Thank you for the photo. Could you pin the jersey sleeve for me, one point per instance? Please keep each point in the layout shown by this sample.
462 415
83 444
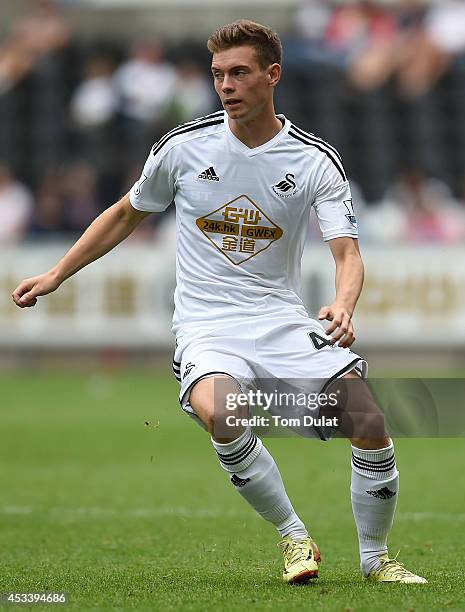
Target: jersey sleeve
333 204
155 190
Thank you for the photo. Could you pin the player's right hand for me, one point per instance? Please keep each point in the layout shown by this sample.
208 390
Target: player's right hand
26 293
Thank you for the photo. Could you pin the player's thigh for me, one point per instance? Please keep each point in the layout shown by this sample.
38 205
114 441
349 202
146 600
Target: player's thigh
214 400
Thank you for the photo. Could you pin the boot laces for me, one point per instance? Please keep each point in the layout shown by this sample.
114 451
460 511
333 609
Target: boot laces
295 550
395 567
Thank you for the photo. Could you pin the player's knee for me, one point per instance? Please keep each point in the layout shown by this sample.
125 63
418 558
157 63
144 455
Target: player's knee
371 443
202 402
208 398
361 419
365 426
210 424
207 414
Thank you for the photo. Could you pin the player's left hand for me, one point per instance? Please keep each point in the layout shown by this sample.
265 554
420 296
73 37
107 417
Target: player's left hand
341 328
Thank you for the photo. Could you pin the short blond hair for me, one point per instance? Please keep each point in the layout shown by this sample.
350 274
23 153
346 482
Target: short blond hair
265 41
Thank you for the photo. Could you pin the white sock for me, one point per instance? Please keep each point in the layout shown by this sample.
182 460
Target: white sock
256 476
374 491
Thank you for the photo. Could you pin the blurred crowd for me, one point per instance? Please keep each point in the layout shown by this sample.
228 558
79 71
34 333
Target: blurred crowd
411 41
123 101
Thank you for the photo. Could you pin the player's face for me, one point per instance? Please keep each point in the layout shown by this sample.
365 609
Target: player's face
244 88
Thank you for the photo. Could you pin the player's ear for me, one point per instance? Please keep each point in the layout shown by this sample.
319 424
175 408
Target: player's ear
274 74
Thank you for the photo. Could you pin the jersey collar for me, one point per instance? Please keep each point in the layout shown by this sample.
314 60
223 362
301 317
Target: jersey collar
243 148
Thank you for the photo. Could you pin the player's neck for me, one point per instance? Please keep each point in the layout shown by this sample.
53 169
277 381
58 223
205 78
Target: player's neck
258 130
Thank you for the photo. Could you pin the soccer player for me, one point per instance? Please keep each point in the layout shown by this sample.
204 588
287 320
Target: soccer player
244 181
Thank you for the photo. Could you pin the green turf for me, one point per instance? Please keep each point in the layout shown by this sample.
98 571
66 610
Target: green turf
124 516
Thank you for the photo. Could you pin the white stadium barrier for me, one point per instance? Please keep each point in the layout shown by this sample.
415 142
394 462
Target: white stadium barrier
412 298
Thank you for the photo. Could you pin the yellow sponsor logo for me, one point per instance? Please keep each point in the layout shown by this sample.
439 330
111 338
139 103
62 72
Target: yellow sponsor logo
218 227
261 233
239 229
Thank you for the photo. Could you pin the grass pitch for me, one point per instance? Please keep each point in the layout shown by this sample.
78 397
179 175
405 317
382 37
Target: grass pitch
124 516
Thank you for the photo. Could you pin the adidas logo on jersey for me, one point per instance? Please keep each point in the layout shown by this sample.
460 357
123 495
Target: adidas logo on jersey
209 175
287 187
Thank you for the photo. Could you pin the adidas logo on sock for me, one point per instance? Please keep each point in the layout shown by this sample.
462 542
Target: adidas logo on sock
383 493
239 482
209 175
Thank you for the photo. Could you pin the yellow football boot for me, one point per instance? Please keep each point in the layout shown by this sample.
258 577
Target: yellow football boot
392 570
301 560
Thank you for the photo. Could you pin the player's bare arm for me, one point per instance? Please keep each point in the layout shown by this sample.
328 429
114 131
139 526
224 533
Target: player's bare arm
103 234
349 282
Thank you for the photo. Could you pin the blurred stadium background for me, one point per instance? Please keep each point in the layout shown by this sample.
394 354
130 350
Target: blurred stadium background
86 87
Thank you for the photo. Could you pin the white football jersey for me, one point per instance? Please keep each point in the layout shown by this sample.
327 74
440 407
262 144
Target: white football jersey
242 216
